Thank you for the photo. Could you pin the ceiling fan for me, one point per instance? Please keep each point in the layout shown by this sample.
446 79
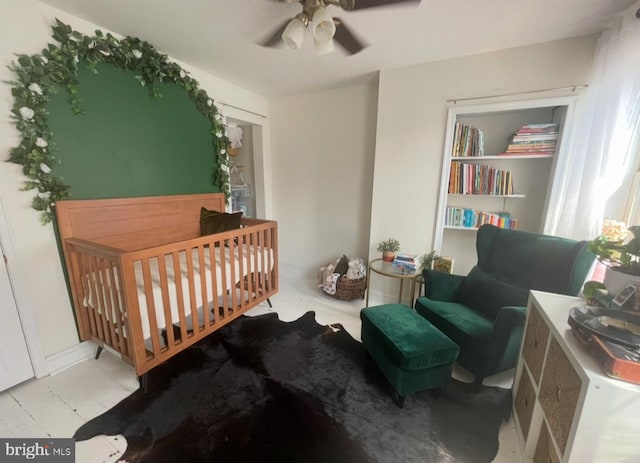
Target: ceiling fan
323 27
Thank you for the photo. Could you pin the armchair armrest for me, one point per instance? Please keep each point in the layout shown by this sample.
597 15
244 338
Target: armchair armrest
440 286
508 329
508 317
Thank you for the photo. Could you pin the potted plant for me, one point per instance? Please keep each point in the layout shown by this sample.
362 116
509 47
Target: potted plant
426 260
388 248
619 250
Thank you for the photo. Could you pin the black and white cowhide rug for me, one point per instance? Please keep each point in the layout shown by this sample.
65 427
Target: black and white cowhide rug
263 390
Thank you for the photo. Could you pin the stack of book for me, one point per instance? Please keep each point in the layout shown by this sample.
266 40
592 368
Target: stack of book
469 218
479 179
533 139
405 263
467 141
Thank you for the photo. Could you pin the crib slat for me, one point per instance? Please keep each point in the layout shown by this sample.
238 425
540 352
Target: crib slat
225 288
80 292
192 291
104 312
95 299
232 258
252 271
203 286
124 346
107 295
241 272
150 306
274 246
86 283
266 235
166 302
177 276
214 285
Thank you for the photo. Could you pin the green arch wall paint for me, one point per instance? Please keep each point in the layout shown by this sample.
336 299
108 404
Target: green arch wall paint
128 143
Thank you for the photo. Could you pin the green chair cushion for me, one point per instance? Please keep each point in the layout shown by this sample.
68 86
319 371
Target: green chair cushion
465 326
408 339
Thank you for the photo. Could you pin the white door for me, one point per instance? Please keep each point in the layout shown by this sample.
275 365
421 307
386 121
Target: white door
15 364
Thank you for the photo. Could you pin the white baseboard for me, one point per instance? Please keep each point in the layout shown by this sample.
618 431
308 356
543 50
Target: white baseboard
71 356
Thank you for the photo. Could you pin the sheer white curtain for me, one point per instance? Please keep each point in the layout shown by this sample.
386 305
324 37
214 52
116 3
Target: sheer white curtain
606 125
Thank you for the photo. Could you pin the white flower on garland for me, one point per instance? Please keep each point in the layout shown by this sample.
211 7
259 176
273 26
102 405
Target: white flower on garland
45 168
182 74
137 53
35 88
218 117
209 102
41 142
218 134
26 113
44 59
44 194
76 60
223 151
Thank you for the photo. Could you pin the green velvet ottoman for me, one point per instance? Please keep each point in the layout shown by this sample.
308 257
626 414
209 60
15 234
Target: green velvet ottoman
412 353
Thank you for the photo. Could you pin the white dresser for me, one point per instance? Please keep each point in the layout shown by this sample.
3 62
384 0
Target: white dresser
566 408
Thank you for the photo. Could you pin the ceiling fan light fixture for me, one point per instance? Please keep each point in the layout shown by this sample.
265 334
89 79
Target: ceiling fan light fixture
293 34
323 47
322 25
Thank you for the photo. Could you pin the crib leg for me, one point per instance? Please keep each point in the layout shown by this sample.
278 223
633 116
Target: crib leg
98 352
144 381
269 302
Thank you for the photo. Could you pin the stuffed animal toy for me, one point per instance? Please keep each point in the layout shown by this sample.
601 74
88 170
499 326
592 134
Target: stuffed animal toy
353 270
356 269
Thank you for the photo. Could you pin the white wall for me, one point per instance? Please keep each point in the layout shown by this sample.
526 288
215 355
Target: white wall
25 27
323 146
412 111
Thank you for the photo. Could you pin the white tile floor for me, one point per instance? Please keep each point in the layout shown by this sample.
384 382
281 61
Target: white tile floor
57 405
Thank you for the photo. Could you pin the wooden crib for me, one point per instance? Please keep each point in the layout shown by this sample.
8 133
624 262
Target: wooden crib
146 284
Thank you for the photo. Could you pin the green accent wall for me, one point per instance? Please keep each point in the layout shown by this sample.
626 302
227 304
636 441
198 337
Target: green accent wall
128 143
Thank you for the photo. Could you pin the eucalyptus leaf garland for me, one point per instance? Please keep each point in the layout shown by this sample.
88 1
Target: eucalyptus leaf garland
39 76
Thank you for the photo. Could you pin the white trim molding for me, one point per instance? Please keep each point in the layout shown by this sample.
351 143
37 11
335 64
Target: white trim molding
70 356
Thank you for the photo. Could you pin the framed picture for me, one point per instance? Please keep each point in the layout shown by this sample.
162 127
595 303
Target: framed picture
624 295
443 264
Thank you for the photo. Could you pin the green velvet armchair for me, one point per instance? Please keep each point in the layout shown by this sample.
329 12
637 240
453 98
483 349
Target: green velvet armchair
484 312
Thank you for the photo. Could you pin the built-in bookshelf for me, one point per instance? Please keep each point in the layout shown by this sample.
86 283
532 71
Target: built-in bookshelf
500 167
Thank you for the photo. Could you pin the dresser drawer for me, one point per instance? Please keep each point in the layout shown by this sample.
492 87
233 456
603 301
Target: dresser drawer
559 393
535 343
545 452
524 402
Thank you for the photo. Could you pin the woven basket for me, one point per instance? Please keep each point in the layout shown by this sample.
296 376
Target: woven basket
348 290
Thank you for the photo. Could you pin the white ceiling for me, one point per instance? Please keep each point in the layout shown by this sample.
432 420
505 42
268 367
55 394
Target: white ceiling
219 36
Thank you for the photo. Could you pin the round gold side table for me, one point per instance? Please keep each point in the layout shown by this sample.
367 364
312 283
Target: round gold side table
386 269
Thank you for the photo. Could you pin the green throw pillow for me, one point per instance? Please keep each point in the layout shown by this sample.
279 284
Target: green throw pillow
482 292
212 222
342 266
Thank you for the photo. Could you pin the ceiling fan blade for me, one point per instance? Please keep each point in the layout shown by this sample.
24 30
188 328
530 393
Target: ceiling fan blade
275 38
347 39
362 4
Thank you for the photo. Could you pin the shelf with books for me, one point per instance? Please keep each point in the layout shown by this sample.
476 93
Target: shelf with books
501 156
473 218
471 195
508 150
